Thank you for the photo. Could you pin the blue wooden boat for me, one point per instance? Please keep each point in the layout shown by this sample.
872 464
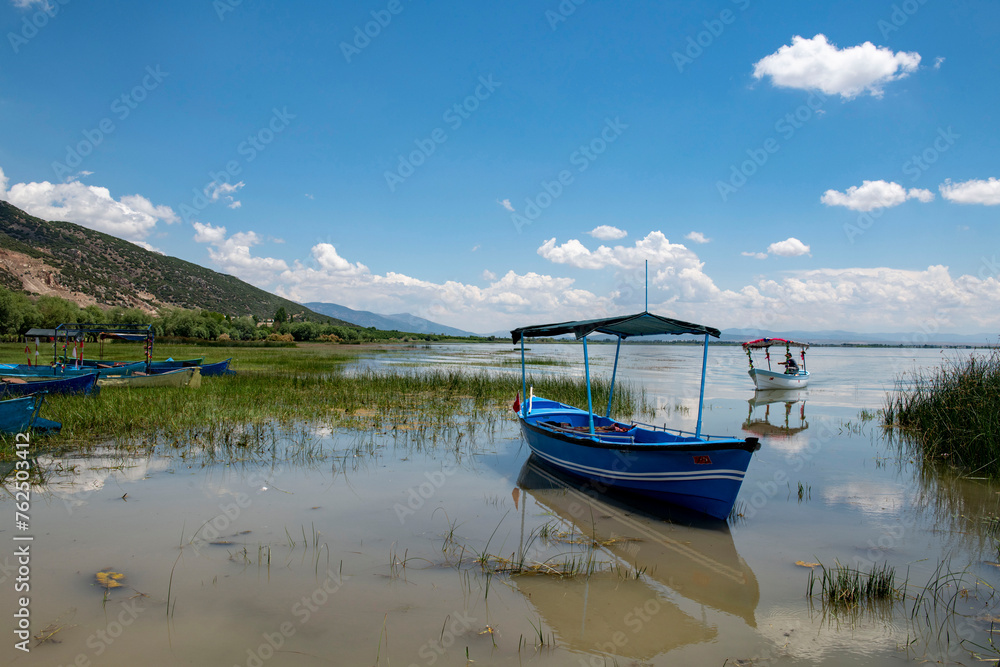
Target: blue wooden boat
67 370
23 386
163 366
700 472
113 363
217 368
18 415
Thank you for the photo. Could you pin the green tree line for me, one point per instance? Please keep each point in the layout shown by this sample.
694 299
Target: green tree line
19 313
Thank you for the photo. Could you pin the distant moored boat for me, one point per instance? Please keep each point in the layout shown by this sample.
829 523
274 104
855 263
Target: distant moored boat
790 377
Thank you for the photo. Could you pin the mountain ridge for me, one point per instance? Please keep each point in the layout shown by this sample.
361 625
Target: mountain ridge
395 322
85 266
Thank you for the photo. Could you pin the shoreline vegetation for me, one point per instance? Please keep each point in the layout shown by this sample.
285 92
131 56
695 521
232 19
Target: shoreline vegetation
310 383
952 413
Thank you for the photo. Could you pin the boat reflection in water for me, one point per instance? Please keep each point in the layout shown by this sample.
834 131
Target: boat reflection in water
665 571
759 417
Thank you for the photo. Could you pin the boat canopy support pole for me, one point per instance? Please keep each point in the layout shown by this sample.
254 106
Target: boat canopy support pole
701 395
590 403
524 383
611 391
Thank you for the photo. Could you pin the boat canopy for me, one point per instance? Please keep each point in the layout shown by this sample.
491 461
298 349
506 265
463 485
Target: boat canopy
130 337
642 324
763 343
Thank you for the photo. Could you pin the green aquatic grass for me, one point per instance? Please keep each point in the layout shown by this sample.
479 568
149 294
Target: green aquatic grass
842 586
306 384
952 412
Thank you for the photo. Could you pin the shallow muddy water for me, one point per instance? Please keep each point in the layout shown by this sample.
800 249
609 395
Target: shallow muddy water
349 548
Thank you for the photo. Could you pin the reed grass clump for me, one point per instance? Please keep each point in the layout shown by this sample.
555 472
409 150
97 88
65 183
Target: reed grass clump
844 587
952 412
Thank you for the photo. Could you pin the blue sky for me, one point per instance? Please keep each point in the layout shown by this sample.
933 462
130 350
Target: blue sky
784 165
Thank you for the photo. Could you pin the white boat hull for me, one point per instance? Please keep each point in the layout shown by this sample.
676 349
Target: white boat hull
189 377
765 379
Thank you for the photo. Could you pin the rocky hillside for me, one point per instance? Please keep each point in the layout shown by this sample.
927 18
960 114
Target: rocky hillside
85 266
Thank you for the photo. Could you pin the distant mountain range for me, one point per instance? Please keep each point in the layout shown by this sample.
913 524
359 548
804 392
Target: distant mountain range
397 322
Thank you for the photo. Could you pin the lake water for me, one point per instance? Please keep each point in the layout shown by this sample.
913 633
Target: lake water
346 548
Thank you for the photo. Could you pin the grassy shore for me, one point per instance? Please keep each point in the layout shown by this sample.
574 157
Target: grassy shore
310 383
952 412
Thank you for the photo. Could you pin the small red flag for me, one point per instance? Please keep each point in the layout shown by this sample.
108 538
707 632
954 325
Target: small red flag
517 402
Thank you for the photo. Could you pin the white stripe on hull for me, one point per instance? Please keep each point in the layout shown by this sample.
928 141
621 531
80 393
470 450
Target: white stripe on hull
689 476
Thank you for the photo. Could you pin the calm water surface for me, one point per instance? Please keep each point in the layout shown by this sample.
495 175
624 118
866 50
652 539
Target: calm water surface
347 548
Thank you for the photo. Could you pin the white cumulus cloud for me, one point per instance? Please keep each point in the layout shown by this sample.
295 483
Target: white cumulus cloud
329 260
206 233
790 247
233 255
697 237
607 233
816 64
132 217
972 192
672 267
874 194
655 248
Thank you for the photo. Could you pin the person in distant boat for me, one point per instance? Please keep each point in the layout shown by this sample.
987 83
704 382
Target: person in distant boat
791 368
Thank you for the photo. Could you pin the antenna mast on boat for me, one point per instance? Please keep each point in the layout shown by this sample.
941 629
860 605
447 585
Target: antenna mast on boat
646 309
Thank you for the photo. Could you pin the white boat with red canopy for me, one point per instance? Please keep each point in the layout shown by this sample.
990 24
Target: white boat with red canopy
792 376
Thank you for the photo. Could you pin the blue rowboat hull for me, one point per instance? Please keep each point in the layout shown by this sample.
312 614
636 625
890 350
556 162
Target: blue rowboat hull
700 473
164 364
17 415
75 384
218 368
59 370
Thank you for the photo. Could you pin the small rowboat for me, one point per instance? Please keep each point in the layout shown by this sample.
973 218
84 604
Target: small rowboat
699 472
790 377
217 368
22 386
66 370
164 364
